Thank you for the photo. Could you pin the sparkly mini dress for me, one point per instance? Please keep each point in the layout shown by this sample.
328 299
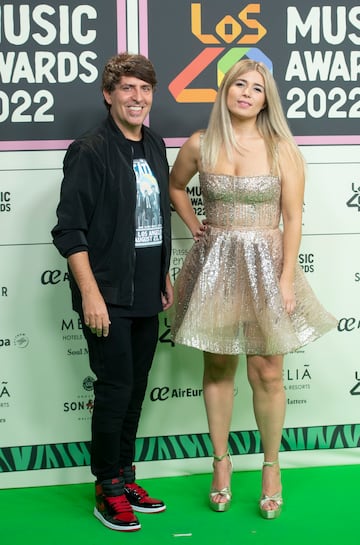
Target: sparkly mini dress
227 295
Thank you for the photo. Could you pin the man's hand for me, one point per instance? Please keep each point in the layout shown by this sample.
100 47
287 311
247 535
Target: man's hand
96 315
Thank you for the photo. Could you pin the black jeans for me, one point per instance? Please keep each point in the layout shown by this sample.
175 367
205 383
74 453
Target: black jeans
121 363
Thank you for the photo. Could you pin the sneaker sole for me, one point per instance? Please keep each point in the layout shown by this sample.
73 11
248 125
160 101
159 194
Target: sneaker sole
112 526
150 510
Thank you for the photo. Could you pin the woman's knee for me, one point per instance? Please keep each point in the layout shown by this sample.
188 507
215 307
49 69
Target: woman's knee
265 372
219 366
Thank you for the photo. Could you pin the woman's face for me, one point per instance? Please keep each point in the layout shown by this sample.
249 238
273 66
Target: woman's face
246 96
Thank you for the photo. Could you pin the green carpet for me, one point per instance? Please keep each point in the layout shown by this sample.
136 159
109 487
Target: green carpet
321 507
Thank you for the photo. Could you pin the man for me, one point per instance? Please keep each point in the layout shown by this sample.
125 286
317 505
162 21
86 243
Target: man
118 276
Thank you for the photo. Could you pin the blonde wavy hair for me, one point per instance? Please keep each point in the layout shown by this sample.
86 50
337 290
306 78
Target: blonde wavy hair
271 121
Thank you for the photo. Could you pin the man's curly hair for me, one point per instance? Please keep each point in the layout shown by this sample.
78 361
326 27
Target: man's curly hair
127 64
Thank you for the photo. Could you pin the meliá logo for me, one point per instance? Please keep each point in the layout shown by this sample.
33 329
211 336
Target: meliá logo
72 329
297 378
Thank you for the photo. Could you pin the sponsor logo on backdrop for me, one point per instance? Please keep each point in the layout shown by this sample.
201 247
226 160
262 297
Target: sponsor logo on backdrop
71 329
297 380
88 384
229 29
355 390
4 390
21 340
354 200
307 262
165 335
220 36
4 398
54 277
163 393
5 201
348 324
82 407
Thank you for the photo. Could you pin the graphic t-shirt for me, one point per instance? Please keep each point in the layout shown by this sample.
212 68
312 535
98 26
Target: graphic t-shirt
148 241
148 217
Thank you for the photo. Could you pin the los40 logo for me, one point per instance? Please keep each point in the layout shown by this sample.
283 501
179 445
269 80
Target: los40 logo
230 31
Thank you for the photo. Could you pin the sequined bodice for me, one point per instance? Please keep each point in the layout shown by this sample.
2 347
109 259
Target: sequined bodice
241 201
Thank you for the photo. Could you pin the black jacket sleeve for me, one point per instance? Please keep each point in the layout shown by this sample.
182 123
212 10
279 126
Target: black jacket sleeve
78 197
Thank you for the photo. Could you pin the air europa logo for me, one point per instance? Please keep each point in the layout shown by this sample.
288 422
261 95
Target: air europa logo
244 31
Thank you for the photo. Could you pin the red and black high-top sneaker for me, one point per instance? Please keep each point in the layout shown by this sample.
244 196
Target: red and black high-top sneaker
113 508
138 498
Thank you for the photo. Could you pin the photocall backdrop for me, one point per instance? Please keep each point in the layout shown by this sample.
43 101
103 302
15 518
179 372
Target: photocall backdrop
51 60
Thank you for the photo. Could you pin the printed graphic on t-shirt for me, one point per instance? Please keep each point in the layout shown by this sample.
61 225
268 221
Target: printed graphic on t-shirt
148 216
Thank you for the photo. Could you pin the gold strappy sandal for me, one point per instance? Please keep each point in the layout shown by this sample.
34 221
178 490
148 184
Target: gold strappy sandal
224 492
276 498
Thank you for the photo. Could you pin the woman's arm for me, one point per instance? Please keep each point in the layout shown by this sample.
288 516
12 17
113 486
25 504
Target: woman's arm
185 167
292 200
167 297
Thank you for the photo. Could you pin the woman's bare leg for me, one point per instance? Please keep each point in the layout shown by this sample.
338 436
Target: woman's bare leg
265 375
218 386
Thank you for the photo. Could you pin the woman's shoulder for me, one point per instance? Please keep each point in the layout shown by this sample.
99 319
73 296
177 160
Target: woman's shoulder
289 156
196 137
286 146
193 143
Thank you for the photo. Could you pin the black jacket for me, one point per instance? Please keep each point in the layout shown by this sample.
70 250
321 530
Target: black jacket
96 212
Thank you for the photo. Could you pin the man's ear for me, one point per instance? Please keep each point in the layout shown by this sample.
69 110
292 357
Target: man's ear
107 97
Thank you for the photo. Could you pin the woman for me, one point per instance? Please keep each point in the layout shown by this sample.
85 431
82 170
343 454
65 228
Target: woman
241 289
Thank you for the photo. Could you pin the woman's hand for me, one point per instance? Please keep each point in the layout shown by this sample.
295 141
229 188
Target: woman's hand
288 295
167 298
200 231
